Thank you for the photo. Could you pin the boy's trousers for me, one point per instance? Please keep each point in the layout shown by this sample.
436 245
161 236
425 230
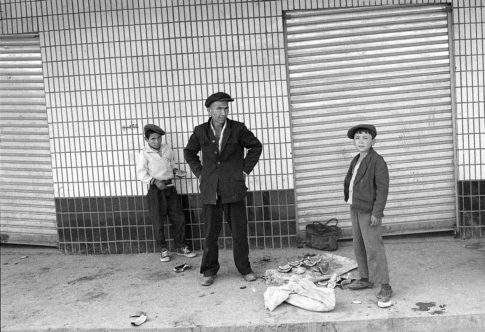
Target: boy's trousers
235 214
163 203
369 248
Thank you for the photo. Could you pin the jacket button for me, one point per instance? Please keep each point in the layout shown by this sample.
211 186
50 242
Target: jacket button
213 141
215 152
218 163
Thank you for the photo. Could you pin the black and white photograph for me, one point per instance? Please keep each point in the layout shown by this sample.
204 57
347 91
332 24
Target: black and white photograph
242 165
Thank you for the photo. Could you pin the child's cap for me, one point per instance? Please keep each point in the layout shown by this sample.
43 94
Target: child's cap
153 128
368 127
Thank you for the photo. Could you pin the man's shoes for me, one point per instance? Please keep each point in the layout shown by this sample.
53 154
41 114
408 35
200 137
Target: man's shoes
250 276
185 251
360 284
164 256
207 281
385 294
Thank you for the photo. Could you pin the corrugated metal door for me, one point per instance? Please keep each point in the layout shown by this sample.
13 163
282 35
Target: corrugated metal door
27 205
389 66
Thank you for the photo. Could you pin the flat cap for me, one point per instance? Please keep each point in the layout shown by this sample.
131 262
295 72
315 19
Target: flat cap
218 96
153 128
369 127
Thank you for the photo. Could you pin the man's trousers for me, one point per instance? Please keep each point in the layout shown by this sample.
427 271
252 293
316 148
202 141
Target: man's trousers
235 214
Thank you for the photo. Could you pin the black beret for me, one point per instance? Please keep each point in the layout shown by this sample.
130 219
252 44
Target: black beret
218 96
153 128
368 127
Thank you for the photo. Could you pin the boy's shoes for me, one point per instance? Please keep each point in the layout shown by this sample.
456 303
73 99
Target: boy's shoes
360 284
250 276
207 281
384 294
164 257
185 251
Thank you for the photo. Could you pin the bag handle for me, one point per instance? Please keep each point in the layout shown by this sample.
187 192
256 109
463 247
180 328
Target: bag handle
326 222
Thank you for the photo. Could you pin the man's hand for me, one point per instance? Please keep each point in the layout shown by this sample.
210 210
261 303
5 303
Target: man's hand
375 221
160 184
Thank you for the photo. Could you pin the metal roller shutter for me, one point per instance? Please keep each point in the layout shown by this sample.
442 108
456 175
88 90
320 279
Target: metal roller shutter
389 66
28 214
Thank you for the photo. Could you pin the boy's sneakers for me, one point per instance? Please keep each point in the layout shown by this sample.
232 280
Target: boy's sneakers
385 294
360 284
384 297
185 251
164 256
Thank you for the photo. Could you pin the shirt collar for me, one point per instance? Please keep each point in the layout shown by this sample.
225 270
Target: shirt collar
214 130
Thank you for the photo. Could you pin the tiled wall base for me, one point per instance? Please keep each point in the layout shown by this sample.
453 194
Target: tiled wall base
109 225
471 208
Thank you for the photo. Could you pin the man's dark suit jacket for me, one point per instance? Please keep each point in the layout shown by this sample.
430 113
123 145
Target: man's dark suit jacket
222 169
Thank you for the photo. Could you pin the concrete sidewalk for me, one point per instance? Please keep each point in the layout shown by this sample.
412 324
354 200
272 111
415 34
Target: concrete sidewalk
439 285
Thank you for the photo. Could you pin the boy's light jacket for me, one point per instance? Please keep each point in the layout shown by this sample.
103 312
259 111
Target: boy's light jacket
371 184
153 164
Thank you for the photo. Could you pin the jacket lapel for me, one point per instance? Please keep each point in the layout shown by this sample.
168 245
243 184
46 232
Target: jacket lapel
226 135
208 131
363 166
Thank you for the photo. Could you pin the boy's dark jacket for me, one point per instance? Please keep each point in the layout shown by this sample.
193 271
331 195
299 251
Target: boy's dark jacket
225 168
371 184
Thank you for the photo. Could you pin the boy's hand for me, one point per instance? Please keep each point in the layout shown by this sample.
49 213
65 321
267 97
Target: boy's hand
180 174
374 221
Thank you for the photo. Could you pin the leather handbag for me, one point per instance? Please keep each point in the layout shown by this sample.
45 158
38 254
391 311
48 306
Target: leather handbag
321 235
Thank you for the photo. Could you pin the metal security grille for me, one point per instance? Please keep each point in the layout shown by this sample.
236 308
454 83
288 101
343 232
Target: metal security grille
28 214
389 66
469 45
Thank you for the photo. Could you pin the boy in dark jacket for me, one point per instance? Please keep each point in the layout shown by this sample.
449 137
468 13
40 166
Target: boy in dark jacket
366 187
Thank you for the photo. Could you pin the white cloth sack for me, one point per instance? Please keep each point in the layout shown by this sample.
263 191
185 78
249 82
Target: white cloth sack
301 293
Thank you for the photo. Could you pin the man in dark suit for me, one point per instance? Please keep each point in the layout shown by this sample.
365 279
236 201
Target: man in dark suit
222 174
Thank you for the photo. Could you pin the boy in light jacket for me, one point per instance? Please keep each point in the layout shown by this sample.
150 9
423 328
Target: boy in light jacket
155 167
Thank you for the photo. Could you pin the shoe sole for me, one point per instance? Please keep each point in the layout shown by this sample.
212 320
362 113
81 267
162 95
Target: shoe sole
384 304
